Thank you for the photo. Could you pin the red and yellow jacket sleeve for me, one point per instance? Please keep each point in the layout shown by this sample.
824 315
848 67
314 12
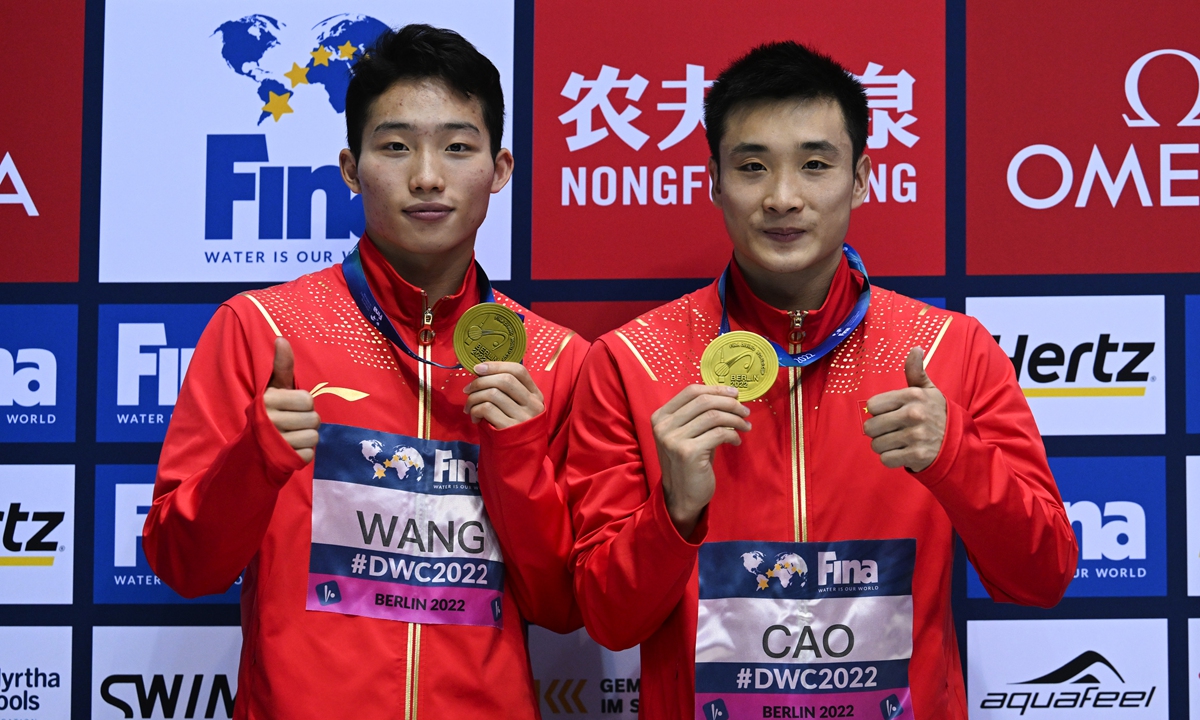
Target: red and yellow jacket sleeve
631 565
992 479
520 471
221 468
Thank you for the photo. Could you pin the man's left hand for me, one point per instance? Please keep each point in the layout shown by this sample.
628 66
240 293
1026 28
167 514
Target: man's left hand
907 426
504 394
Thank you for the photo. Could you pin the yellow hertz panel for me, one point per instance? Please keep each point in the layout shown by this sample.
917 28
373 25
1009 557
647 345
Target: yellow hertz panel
1086 392
25 561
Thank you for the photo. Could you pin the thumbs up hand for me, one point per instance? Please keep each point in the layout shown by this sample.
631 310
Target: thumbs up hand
291 410
907 426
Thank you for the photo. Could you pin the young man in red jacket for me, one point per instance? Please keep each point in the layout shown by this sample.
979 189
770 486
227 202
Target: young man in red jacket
389 567
790 556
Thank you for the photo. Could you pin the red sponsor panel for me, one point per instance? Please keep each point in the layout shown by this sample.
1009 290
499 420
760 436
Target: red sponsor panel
41 108
620 188
1083 138
592 319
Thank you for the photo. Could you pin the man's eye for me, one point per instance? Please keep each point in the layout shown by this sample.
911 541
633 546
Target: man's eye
396 147
815 165
457 147
753 167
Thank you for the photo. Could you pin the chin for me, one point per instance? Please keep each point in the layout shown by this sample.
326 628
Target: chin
787 260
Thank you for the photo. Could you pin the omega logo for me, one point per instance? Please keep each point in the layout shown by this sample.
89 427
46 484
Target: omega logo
1130 172
1134 96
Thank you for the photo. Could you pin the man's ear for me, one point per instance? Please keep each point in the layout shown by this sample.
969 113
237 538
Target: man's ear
714 181
502 171
349 168
862 174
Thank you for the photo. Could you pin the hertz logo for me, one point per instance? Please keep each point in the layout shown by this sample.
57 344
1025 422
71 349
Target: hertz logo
37 543
1050 362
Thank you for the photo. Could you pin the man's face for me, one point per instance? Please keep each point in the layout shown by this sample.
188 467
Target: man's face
426 171
787 183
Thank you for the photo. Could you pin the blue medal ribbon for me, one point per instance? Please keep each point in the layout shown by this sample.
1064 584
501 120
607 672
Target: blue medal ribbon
840 333
356 280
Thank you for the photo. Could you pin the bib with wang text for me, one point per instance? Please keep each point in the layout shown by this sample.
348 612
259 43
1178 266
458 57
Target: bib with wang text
399 531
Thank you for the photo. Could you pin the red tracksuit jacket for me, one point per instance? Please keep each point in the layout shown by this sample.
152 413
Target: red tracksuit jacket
232 495
806 473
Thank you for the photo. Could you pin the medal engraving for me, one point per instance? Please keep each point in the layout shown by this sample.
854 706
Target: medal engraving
741 360
489 332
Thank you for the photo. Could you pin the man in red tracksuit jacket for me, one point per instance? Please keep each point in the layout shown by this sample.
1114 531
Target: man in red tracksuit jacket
791 556
391 566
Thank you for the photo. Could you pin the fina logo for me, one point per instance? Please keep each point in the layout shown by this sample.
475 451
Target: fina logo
326 63
128 520
168 364
35 383
1123 539
1131 166
831 571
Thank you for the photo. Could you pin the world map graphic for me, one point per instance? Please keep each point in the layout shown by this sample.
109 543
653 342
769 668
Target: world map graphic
337 42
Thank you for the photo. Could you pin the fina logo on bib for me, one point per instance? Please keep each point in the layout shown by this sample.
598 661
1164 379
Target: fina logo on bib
789 571
1089 365
250 118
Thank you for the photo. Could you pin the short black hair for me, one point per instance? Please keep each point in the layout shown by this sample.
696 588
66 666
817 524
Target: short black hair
785 71
418 52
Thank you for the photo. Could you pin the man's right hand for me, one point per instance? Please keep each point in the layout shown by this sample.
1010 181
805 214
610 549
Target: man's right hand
687 430
291 410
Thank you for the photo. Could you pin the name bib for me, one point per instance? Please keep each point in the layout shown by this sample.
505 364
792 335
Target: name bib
399 531
804 630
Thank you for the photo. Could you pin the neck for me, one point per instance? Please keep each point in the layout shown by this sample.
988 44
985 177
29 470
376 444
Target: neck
437 274
804 289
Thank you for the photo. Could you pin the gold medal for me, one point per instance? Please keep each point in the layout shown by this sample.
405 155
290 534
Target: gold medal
489 332
742 360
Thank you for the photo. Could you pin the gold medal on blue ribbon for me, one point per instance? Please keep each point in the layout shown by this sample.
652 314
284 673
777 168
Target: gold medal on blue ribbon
742 360
489 332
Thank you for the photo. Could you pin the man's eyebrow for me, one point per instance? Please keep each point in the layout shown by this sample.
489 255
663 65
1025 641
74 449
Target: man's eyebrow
461 125
409 127
823 146
386 126
744 148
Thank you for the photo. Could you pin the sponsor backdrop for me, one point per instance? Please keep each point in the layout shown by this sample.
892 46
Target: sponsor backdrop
166 156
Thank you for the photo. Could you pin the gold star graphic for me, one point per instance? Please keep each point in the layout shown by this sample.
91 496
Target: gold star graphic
771 573
298 75
278 105
387 463
379 472
762 583
321 56
346 51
